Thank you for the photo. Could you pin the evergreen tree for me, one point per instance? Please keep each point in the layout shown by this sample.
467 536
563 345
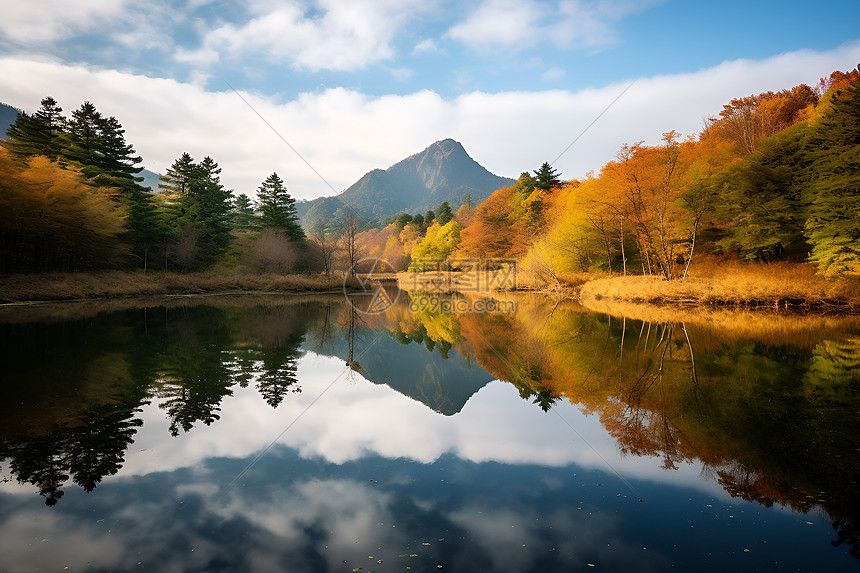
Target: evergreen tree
429 217
148 230
25 136
444 214
547 177
242 212
833 227
40 133
402 219
209 208
278 208
200 216
85 135
115 157
762 198
178 175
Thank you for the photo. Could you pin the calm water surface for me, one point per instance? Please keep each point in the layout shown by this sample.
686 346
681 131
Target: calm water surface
299 434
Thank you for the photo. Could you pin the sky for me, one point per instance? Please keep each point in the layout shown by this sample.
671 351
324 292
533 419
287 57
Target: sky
322 91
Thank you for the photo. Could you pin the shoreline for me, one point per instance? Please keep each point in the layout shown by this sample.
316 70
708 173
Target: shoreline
725 293
790 290
26 289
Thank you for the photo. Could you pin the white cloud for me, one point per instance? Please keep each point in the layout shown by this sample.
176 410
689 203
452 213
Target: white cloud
427 45
345 133
497 23
343 36
34 23
552 74
517 25
334 425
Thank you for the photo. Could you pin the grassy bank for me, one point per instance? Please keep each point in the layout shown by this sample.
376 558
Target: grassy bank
717 283
114 284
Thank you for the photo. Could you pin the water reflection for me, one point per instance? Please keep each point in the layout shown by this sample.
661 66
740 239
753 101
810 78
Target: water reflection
764 408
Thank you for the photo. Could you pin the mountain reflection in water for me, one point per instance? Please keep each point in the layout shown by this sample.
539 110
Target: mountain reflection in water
189 400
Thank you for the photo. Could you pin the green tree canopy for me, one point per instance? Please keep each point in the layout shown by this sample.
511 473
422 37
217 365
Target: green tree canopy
40 133
833 227
547 177
178 175
445 214
278 208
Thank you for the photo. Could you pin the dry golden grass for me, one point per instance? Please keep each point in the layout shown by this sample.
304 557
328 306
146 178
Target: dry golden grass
111 284
720 326
718 282
470 281
44 311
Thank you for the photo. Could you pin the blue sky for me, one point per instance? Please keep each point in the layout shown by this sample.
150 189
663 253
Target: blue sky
355 85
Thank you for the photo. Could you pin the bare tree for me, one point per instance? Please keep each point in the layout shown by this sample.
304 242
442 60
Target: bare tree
351 227
273 252
326 246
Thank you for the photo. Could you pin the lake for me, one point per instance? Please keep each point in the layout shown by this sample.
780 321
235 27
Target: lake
519 433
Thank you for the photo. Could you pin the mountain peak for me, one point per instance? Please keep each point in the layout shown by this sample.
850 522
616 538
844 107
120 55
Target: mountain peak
443 171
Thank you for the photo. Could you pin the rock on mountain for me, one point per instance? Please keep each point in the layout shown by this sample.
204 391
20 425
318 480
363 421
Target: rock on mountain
442 172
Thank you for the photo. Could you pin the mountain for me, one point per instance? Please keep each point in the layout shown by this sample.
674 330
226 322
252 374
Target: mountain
150 179
442 172
7 118
443 383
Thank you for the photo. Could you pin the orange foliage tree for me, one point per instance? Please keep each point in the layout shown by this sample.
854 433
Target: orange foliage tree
54 220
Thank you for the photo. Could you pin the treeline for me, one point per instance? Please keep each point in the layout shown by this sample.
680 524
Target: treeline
72 200
443 239
774 176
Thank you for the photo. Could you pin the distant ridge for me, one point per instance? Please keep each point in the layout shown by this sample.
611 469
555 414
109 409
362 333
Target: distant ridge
7 118
442 172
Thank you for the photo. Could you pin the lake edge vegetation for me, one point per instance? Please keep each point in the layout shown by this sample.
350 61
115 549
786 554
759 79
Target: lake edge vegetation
760 208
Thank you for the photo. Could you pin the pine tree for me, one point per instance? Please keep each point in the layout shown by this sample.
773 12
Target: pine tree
40 133
278 208
178 175
833 227
114 156
84 135
242 212
547 177
209 207
444 214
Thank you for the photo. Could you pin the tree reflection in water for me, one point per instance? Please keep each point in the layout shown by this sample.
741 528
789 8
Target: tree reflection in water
188 360
767 404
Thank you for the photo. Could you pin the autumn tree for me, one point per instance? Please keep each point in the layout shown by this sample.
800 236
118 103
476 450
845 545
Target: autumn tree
437 245
54 220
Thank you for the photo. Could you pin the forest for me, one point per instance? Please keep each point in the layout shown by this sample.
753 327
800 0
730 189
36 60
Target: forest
771 177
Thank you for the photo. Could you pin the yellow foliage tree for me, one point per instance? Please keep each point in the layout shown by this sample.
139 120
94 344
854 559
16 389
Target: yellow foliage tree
54 220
